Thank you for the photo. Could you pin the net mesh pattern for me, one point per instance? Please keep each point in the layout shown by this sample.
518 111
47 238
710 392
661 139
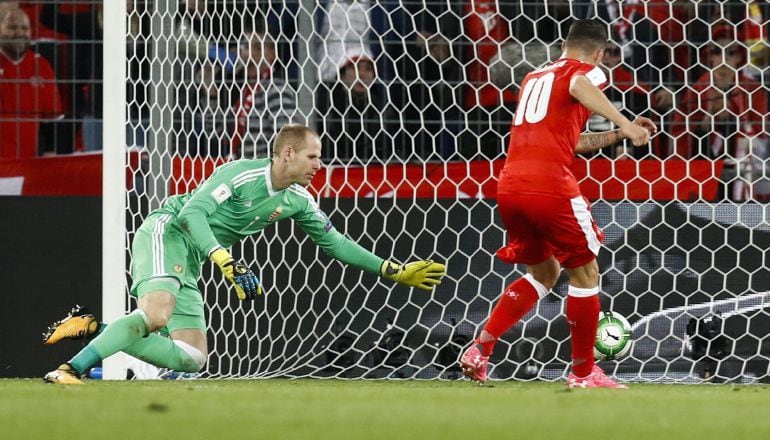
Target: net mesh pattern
413 101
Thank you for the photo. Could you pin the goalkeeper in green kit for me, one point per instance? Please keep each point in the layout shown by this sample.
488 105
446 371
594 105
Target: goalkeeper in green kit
239 199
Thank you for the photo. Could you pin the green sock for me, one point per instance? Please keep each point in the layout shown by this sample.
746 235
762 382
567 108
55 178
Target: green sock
163 352
114 338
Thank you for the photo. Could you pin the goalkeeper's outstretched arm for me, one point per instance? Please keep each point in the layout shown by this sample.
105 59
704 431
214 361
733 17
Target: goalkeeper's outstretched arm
422 274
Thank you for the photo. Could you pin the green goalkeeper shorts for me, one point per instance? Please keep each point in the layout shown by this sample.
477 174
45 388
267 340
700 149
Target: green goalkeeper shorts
162 260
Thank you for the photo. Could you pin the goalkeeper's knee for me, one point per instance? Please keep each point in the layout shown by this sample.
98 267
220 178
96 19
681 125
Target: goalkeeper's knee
191 360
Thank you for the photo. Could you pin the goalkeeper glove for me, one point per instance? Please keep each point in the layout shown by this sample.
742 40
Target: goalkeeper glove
246 284
423 274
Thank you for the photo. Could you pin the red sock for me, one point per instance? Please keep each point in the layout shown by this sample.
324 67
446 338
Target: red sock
516 301
583 317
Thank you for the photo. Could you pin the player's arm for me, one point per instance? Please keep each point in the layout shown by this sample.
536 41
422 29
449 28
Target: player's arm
423 274
193 218
582 89
589 142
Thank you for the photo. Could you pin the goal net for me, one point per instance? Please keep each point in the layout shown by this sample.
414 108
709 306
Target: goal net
413 101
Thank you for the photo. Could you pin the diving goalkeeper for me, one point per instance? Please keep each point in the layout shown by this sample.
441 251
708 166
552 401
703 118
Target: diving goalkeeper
239 199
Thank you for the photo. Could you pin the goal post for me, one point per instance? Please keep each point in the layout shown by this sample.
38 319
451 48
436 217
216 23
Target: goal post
414 102
114 176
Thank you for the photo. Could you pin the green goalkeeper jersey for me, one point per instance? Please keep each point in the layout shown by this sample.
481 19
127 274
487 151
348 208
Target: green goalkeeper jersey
238 200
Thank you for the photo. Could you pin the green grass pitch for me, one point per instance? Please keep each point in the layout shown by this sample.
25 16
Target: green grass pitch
392 410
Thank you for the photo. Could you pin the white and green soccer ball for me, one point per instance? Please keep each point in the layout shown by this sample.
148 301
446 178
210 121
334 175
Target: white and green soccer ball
613 337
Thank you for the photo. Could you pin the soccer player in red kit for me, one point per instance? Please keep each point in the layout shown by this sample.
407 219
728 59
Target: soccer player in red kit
547 220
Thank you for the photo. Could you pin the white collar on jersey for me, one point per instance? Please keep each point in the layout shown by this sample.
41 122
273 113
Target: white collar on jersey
269 180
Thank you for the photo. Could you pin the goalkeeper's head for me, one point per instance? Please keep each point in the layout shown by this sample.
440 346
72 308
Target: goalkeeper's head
296 155
586 41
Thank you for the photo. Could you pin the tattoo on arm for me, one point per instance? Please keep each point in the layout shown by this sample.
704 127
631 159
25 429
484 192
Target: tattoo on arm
593 141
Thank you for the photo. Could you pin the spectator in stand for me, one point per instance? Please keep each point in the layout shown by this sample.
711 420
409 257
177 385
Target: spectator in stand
431 72
722 110
266 100
650 31
28 91
754 35
489 108
708 115
211 119
138 70
351 109
195 27
54 46
207 47
80 22
354 123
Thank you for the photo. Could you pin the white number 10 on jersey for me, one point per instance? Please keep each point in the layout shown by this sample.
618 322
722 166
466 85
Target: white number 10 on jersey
534 100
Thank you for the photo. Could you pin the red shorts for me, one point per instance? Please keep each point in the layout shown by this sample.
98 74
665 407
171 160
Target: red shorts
541 225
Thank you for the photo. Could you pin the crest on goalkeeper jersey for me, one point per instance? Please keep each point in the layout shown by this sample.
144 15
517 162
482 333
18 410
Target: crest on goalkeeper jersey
277 213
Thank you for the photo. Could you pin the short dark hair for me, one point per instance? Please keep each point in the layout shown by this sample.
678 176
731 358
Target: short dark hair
588 35
292 134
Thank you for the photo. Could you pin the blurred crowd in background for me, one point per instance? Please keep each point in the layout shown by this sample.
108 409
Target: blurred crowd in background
387 81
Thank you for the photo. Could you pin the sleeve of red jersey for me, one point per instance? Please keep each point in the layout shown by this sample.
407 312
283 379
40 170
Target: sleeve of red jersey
49 105
594 74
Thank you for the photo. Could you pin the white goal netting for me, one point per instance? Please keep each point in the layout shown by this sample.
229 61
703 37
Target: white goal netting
413 100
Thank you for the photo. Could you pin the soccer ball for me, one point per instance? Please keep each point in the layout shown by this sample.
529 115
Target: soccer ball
613 337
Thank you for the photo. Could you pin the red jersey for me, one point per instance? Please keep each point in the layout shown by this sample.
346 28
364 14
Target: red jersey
546 129
28 93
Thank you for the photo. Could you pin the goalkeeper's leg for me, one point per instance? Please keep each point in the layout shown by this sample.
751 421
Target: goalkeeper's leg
115 337
164 352
155 349
154 311
78 324
185 350
176 354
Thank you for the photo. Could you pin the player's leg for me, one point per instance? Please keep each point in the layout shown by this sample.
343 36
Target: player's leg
583 308
153 313
158 268
178 353
576 241
186 350
78 324
582 313
525 245
154 310
517 299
